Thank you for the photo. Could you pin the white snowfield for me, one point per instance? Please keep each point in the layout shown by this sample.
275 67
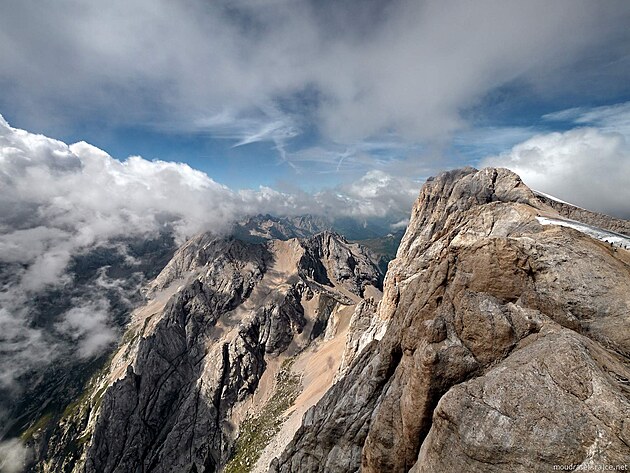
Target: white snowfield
616 239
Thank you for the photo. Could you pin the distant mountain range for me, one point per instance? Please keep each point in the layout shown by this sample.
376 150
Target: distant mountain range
263 227
375 234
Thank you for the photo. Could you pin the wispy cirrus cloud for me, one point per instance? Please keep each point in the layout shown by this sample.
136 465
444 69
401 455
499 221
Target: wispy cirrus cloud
265 124
609 118
483 141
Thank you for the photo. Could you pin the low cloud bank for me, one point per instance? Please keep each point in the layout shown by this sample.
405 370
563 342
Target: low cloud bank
13 456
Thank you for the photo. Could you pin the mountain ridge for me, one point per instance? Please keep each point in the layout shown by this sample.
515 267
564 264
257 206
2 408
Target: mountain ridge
579 214
221 314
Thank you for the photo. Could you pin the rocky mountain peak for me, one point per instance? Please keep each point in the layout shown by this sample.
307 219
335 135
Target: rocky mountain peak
460 189
224 322
347 263
498 332
205 249
453 192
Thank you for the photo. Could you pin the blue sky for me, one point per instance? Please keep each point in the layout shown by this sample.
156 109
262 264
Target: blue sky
307 94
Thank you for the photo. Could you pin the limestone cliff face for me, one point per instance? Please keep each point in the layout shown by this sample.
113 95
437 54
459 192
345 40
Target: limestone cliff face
200 357
505 346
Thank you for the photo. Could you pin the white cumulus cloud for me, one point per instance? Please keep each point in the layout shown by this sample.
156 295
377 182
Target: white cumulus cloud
89 325
585 166
13 456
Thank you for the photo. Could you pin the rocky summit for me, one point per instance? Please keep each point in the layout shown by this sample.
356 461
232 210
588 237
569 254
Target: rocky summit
505 348
500 342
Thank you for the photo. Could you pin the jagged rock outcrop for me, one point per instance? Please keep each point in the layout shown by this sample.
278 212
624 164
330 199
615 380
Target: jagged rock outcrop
506 347
348 263
219 314
365 326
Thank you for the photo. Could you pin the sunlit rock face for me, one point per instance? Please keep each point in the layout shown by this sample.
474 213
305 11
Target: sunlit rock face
506 344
